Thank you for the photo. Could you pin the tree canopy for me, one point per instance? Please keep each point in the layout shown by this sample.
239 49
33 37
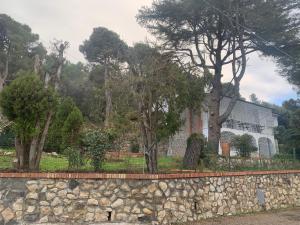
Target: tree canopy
105 47
209 35
290 65
288 131
102 46
18 46
162 91
28 103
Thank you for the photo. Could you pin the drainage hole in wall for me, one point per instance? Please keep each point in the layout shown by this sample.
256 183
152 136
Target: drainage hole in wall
195 205
108 216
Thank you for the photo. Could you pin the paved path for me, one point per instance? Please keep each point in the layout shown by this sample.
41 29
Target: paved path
287 217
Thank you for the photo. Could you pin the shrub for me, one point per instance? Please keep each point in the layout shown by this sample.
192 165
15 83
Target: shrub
7 138
96 143
30 106
64 131
74 158
244 145
71 128
208 158
134 146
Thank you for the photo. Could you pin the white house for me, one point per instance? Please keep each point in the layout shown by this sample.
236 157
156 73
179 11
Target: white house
246 118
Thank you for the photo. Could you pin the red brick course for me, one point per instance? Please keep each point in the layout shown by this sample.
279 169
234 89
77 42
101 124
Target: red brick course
36 175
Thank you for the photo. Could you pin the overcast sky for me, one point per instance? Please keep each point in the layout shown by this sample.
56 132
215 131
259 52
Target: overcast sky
74 20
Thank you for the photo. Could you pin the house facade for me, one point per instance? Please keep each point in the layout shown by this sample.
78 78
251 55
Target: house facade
246 118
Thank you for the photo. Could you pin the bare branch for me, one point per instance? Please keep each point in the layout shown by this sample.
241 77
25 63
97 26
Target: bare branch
237 78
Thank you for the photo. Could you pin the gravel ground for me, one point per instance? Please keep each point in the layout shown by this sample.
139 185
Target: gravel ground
286 217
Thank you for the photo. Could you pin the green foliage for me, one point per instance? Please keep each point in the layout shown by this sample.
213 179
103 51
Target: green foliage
26 101
75 83
96 143
190 91
244 145
71 127
288 130
106 50
178 23
103 45
228 90
207 35
208 158
134 146
75 160
254 99
283 157
163 85
7 138
197 138
17 40
65 129
168 124
290 65
162 90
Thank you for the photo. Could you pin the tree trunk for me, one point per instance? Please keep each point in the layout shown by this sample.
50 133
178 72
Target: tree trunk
2 81
36 67
58 77
149 141
19 153
37 145
22 154
47 80
214 127
108 97
43 139
195 146
29 155
33 153
151 159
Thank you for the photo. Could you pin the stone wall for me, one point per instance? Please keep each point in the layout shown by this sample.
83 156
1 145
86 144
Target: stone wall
140 198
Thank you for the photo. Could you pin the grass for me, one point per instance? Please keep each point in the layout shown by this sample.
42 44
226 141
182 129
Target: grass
60 163
50 163
5 162
54 163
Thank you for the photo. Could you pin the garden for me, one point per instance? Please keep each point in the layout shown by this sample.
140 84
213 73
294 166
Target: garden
59 163
62 116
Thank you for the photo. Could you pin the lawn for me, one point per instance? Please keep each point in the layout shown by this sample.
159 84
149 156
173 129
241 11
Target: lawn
60 163
52 163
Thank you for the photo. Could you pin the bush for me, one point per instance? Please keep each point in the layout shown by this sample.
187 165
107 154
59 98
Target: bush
283 157
64 130
7 138
134 146
26 101
74 158
96 143
244 145
29 105
208 158
71 128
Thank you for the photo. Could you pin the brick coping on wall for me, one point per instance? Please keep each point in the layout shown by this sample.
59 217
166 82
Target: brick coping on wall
35 175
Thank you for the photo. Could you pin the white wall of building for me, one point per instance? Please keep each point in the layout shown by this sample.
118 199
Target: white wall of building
245 118
249 115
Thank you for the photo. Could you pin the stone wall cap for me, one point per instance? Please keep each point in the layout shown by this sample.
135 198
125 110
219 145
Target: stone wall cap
57 175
